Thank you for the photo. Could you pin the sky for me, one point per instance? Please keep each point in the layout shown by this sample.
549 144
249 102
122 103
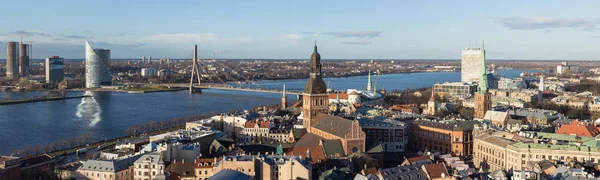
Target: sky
348 29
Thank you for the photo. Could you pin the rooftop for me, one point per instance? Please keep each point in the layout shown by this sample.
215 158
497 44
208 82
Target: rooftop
332 124
452 125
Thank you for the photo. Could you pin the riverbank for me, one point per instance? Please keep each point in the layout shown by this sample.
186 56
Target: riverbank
21 101
131 91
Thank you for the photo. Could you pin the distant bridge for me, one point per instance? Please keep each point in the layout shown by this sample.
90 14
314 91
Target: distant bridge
232 88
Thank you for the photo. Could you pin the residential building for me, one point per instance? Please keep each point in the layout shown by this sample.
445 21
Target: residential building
454 90
266 166
445 136
256 131
35 167
24 60
277 135
12 61
107 169
354 98
419 160
538 117
150 166
182 170
55 69
180 152
527 95
149 72
392 134
338 98
403 172
579 128
566 69
230 174
10 168
500 151
164 72
407 108
497 118
97 66
204 167
436 171
511 84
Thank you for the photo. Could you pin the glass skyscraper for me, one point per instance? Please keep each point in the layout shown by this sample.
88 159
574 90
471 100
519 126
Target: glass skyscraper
97 66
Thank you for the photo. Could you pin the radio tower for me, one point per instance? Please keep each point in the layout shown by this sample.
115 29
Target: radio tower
194 70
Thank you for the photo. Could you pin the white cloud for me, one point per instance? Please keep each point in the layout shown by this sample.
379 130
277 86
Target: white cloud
534 23
290 37
194 38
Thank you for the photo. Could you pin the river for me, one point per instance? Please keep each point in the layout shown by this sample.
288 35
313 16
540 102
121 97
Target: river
108 114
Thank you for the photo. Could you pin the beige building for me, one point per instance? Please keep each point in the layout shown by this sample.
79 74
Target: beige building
204 167
497 118
266 166
501 151
149 166
104 170
529 96
255 132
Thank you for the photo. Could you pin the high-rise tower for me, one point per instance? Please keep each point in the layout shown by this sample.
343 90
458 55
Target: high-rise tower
283 98
12 63
314 99
369 82
470 63
483 98
23 60
97 66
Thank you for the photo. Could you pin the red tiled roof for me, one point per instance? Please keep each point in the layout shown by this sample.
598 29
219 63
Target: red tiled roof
435 170
206 162
261 124
316 153
579 129
335 95
418 158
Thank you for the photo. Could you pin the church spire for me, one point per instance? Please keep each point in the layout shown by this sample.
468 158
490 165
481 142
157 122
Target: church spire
483 81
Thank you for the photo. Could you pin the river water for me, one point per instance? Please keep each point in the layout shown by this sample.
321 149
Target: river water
108 114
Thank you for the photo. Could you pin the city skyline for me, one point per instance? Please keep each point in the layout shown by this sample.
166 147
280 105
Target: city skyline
536 30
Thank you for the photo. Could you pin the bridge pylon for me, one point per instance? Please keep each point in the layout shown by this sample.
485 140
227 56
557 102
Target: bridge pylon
194 71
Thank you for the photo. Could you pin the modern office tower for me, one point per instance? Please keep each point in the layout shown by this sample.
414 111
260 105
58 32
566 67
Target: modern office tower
12 64
97 66
55 69
471 59
24 60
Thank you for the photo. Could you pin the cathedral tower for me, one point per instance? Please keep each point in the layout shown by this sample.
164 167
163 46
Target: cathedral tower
314 99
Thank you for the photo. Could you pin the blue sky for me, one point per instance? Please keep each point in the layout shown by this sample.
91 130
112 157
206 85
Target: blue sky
428 29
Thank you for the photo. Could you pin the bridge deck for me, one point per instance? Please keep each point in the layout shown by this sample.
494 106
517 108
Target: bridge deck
230 88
